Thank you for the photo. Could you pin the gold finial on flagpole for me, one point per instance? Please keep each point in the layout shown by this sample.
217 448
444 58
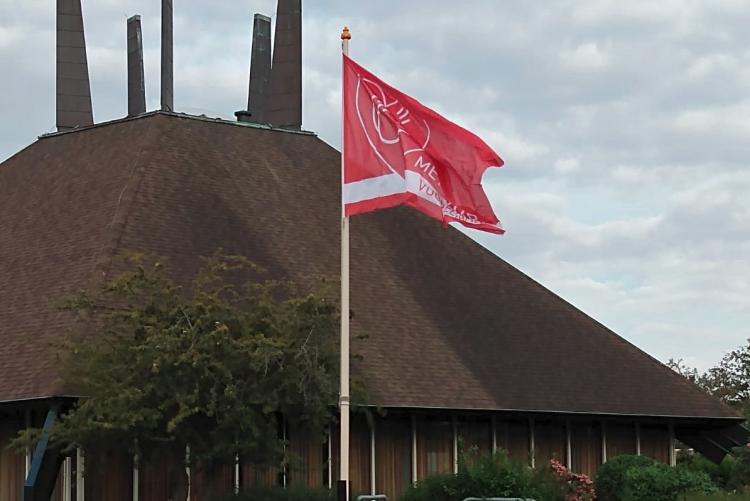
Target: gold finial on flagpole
345 34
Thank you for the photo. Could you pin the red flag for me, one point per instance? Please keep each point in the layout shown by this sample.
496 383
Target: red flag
397 151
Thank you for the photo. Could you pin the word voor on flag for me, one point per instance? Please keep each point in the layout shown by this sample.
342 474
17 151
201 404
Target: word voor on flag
397 151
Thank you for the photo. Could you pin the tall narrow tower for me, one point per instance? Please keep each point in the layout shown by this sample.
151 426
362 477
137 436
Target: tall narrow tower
73 90
167 62
260 68
136 79
285 99
260 73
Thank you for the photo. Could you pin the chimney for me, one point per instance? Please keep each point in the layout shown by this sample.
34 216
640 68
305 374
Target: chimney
167 65
73 92
260 72
285 99
136 82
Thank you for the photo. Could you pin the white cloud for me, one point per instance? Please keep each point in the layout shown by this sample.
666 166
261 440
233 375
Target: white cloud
569 165
512 147
588 56
9 37
706 66
730 120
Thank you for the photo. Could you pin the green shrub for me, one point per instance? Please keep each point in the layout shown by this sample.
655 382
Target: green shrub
717 496
720 474
281 494
610 478
488 476
739 478
639 478
660 482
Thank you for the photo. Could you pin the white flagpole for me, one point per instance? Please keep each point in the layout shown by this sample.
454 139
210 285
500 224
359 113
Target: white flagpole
343 485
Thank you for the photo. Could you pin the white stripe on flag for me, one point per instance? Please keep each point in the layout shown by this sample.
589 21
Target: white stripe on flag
417 184
374 187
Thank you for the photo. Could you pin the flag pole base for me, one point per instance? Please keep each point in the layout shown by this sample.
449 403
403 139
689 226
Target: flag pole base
341 490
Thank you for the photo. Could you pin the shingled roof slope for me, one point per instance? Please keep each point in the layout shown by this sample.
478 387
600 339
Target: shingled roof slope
449 324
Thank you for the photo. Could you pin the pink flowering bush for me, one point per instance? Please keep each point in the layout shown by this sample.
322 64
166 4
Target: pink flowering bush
579 486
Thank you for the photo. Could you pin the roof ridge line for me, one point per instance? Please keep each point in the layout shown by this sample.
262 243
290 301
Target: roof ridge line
115 229
202 118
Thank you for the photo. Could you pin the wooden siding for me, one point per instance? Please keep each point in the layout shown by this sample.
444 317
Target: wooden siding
434 446
307 458
208 482
253 475
359 455
11 463
586 447
620 439
549 442
162 477
58 493
475 436
109 476
393 455
513 437
655 442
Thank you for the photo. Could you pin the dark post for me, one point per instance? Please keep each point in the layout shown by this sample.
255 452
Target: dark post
167 63
136 79
285 104
341 490
73 91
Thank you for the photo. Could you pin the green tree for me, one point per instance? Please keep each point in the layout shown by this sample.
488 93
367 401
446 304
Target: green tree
729 380
212 364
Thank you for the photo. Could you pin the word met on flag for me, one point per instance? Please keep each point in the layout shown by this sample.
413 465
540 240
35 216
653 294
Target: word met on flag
397 151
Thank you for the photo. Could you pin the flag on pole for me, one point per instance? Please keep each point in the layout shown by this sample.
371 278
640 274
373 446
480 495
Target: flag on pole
397 151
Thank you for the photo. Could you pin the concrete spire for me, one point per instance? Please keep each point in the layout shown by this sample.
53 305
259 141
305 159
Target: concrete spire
260 73
167 62
73 90
260 68
285 103
136 79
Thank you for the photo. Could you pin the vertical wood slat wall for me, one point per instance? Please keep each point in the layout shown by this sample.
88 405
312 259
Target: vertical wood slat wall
359 455
549 442
165 478
475 437
208 482
162 477
307 458
586 447
620 439
393 455
11 463
513 437
258 476
655 442
434 445
109 477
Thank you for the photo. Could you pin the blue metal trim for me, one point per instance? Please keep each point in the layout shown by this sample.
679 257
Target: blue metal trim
39 452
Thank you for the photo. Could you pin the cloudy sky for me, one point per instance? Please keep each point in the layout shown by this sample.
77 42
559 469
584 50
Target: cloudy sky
625 127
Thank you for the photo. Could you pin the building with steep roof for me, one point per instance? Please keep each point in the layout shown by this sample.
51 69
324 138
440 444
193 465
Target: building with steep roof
458 348
456 345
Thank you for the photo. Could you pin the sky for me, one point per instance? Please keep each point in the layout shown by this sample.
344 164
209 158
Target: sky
625 128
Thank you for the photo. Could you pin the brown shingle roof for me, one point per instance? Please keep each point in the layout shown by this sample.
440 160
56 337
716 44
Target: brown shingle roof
449 324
